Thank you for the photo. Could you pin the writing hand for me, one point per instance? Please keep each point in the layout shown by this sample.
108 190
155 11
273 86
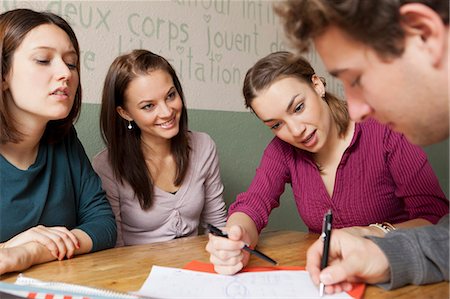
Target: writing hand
227 255
351 259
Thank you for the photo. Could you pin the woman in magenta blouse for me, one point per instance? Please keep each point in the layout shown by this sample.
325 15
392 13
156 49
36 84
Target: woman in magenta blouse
372 178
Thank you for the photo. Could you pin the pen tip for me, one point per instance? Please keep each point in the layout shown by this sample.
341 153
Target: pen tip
321 289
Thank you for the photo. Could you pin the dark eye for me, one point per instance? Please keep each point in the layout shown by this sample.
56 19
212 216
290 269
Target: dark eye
42 61
71 66
275 126
299 107
148 107
171 95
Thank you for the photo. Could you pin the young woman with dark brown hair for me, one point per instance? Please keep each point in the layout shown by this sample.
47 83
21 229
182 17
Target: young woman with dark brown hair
161 179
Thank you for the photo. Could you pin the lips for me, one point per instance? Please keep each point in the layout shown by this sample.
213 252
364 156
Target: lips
308 138
167 124
61 91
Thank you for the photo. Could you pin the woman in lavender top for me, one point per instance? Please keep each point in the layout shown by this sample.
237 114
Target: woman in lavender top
162 180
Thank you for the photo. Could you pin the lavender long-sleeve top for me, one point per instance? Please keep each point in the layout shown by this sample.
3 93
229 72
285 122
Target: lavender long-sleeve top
381 177
198 201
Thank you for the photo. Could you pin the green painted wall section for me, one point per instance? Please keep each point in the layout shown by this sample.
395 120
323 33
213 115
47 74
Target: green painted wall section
241 139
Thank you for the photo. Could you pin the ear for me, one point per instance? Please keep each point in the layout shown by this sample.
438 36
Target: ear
318 85
123 113
420 20
5 85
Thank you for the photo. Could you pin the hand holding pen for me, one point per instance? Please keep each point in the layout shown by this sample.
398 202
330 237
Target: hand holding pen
351 259
227 250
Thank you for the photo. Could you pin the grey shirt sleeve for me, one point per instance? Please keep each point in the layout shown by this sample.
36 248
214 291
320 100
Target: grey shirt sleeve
417 256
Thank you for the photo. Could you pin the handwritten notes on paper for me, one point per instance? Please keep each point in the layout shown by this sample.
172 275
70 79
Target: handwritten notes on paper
164 282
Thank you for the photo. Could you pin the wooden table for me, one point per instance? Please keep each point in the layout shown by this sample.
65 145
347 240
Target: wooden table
126 268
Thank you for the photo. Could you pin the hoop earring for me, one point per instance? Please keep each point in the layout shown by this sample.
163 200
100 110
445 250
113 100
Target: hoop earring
130 126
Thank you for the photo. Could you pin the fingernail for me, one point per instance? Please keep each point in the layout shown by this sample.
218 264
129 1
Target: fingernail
347 287
325 278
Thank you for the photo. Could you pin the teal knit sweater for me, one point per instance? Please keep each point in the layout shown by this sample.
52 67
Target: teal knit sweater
59 189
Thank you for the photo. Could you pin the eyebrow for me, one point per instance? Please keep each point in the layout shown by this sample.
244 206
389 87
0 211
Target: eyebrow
71 51
291 102
172 88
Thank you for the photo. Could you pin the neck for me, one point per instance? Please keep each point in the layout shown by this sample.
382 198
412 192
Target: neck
23 154
336 144
156 149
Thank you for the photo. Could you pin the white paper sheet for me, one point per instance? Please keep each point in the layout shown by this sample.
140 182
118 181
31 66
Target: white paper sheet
164 282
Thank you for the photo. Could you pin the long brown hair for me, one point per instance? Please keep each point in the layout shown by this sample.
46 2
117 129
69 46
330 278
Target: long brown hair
283 64
124 145
14 26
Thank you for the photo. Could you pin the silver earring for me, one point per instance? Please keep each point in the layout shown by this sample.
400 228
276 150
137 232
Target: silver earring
323 95
130 126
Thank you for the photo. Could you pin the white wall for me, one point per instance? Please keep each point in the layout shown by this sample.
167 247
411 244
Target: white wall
211 43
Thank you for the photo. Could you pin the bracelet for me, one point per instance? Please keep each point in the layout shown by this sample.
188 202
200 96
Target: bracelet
389 226
385 227
379 226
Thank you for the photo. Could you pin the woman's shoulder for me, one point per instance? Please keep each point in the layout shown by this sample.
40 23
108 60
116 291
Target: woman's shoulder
372 125
200 140
278 145
280 150
100 160
371 128
101 155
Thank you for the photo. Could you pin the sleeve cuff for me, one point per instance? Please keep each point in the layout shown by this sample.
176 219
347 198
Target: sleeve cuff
402 267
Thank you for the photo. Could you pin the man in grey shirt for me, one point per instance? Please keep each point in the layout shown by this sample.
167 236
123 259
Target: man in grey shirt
392 58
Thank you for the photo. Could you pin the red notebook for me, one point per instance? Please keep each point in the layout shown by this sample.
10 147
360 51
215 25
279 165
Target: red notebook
357 291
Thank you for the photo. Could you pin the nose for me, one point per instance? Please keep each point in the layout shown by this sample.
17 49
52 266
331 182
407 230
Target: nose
357 105
63 71
164 110
296 129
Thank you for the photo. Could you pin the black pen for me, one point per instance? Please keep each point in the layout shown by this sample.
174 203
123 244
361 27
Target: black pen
217 232
326 235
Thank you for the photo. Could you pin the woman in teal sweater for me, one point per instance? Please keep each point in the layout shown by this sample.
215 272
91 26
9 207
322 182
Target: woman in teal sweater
51 202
